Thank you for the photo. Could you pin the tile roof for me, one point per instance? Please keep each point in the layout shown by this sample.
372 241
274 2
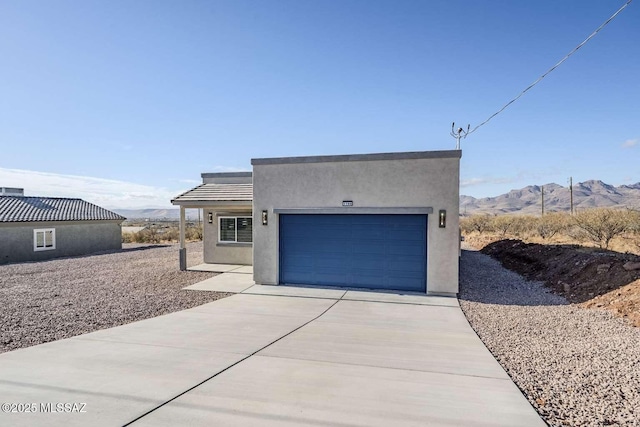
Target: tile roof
35 209
217 193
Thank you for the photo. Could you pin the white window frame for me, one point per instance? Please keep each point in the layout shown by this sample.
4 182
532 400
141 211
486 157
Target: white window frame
44 231
235 218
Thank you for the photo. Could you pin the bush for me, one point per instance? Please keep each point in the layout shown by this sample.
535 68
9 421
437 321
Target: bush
193 233
634 227
602 224
502 224
162 234
551 224
479 223
171 234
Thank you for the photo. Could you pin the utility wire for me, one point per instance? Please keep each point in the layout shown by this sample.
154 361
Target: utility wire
554 67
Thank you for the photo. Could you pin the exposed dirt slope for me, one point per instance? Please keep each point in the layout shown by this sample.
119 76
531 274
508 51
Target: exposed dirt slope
594 278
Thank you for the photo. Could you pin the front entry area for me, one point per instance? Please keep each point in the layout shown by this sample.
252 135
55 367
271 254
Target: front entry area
351 250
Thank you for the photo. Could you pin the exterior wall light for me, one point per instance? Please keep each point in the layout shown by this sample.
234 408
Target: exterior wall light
442 218
265 218
210 217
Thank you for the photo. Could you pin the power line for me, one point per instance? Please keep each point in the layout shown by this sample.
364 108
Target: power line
554 67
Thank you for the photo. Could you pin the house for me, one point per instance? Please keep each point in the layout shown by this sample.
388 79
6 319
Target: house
226 200
375 221
39 228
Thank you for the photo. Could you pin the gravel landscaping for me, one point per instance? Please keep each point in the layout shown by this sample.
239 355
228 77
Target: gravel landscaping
577 366
51 300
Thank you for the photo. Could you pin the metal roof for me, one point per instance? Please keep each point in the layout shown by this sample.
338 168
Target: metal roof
217 193
38 209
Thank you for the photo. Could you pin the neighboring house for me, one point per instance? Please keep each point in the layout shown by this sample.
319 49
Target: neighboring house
39 228
375 221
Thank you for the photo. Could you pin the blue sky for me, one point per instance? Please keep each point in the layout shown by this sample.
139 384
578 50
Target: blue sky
125 103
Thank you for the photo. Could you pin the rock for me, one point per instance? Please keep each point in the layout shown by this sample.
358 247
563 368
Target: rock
594 353
603 268
631 266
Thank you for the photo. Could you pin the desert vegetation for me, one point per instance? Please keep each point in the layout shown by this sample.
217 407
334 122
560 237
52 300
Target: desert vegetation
164 233
605 228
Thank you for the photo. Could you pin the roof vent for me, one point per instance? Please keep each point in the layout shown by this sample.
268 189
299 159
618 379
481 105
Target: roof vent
8 191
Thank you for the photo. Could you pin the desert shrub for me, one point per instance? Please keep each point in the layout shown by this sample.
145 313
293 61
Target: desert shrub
465 225
163 234
148 235
193 233
551 224
523 225
154 234
634 228
601 225
502 224
479 223
171 234
143 236
634 220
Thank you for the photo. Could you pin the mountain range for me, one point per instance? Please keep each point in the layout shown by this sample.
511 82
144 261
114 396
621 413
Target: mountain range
528 200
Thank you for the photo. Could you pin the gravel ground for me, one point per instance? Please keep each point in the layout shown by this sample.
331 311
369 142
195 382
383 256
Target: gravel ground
51 300
577 367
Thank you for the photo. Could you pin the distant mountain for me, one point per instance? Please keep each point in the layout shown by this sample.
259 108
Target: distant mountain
528 200
156 214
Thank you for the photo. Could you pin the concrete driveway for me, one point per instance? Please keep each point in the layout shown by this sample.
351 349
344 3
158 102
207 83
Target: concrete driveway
271 356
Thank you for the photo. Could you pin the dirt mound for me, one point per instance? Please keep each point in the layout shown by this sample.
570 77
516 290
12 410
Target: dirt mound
594 278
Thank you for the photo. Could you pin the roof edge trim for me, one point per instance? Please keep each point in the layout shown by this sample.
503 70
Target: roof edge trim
226 174
444 154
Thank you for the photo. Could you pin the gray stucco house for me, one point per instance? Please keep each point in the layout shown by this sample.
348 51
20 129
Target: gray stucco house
375 221
39 228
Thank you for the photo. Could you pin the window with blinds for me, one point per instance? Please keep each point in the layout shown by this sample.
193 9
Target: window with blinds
235 229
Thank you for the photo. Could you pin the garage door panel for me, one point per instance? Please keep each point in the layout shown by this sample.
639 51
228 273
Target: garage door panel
364 231
321 246
375 267
404 284
371 251
325 279
403 235
396 270
331 263
407 249
301 262
298 278
372 281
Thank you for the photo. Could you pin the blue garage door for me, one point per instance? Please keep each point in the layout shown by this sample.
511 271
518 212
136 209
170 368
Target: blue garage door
365 251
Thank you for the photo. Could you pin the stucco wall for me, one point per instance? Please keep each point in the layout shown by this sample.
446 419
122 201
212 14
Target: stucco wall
224 253
376 181
72 238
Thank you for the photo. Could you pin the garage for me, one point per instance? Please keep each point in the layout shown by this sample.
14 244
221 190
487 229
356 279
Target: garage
362 251
380 221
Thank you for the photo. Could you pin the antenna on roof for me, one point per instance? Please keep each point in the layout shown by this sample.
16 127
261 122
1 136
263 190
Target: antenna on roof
459 134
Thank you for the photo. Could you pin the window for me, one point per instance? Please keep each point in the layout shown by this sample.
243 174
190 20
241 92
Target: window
235 229
44 239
